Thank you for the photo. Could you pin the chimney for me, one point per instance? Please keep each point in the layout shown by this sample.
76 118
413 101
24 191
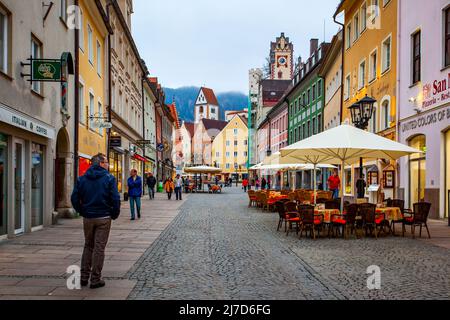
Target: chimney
314 45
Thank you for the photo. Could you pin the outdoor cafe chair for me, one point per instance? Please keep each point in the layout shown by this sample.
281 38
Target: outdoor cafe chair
419 218
282 215
310 221
370 219
292 196
332 204
397 203
292 216
252 198
267 202
347 222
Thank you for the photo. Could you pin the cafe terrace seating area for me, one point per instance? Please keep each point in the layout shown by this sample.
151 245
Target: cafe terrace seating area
298 215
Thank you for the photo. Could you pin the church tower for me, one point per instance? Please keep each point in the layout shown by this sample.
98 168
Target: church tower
281 59
206 105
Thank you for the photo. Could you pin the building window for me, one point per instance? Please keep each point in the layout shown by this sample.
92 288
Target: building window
304 131
305 103
385 114
228 143
373 66
99 59
319 88
63 10
245 154
356 27
81 105
386 54
36 53
363 17
235 154
416 57
348 38
308 129
373 121
313 130
235 143
314 92
4 40
217 154
319 123
308 97
228 166
362 75
90 45
385 2
227 154
295 135
91 107
447 37
235 132
376 9
245 142
347 87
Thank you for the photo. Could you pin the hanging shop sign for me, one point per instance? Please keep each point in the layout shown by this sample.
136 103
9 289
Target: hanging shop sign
115 142
46 70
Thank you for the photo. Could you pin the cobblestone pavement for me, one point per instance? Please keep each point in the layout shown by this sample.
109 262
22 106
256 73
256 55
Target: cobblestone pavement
217 248
33 266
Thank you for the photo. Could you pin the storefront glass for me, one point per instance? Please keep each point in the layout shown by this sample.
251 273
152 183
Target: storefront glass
417 167
115 163
37 191
3 189
447 170
348 181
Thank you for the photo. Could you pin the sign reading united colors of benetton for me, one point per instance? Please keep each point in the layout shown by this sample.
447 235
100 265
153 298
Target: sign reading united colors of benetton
45 70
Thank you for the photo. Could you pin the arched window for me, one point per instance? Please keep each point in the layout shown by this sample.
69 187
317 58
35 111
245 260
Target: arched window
373 123
417 170
201 109
385 114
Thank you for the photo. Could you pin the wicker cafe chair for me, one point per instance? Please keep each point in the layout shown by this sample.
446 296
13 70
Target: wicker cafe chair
292 216
279 205
292 196
310 221
370 220
259 199
419 218
252 198
397 203
332 204
347 222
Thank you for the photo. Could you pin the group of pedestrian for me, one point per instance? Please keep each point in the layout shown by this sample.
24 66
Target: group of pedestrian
171 186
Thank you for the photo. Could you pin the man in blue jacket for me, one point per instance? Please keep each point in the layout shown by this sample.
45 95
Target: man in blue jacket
135 193
96 199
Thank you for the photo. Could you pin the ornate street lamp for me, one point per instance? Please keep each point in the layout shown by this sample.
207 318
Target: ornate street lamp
362 112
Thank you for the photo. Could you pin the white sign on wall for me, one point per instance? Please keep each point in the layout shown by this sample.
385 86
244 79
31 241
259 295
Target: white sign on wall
22 121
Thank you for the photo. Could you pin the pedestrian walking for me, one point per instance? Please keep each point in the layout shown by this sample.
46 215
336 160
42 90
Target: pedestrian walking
257 184
169 187
361 187
134 184
230 182
151 183
96 198
178 187
263 183
334 184
245 184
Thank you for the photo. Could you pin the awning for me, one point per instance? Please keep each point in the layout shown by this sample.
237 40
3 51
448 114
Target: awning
118 150
139 158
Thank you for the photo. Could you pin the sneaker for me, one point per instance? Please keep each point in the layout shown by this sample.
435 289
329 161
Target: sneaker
97 285
132 219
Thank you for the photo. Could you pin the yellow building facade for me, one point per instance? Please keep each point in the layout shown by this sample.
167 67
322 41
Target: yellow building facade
93 82
370 68
230 149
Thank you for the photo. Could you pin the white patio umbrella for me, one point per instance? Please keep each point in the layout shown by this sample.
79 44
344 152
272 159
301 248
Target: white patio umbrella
202 169
256 167
344 144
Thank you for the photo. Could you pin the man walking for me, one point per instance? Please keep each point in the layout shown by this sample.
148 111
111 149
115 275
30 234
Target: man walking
135 193
151 183
178 187
96 199
334 183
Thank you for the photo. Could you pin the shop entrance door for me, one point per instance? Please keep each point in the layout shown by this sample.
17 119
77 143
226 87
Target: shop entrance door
19 186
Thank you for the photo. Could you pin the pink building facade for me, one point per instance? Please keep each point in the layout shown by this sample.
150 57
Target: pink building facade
278 118
423 93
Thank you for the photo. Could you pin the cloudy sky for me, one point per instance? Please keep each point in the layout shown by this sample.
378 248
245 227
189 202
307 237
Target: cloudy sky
216 42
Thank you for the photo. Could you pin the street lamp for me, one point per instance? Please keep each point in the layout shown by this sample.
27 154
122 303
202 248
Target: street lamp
362 112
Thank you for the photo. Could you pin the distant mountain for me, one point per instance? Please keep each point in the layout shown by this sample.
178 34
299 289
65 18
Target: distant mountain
185 100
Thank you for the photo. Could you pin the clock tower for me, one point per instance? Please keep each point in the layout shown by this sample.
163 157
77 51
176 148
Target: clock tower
281 59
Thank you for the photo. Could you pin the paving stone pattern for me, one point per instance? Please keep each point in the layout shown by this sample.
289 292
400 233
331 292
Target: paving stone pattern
217 248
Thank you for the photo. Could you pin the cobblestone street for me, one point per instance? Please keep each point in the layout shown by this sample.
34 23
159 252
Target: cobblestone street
219 249
214 247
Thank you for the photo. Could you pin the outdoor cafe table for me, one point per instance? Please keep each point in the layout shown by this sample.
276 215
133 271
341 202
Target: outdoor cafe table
327 214
390 213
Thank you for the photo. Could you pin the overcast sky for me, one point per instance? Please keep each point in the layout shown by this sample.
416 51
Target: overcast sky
215 42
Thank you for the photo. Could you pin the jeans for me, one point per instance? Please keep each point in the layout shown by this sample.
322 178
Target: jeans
178 193
245 188
136 200
335 193
151 192
96 234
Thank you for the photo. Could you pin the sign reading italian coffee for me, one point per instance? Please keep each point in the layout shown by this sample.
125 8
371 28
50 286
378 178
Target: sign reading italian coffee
46 70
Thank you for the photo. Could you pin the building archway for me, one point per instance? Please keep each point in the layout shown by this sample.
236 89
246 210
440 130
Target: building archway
417 168
63 175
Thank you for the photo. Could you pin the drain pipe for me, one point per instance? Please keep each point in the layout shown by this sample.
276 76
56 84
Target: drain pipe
77 101
342 66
